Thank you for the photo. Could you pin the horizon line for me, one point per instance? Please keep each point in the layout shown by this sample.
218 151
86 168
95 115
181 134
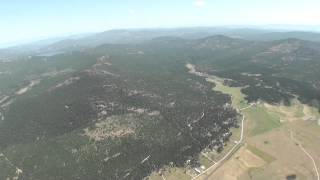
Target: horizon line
266 27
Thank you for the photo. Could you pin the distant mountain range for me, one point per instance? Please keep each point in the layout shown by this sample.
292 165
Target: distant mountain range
133 36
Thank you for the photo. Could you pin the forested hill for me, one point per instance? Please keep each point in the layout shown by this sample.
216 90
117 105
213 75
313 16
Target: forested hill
273 71
122 111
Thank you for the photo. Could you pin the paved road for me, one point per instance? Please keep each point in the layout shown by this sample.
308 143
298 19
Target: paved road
231 150
192 70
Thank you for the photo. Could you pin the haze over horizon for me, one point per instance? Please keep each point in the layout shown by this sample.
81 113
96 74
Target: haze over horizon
25 21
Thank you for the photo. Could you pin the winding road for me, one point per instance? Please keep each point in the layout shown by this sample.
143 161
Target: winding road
308 154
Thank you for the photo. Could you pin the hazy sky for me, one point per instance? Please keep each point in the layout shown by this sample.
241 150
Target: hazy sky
29 19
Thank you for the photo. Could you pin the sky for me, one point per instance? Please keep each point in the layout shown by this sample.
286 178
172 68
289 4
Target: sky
25 20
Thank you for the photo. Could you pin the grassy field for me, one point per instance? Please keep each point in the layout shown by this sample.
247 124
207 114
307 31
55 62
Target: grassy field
235 92
265 156
263 120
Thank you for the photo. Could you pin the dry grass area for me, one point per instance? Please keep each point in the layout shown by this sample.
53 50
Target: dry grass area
269 152
279 155
289 159
237 166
